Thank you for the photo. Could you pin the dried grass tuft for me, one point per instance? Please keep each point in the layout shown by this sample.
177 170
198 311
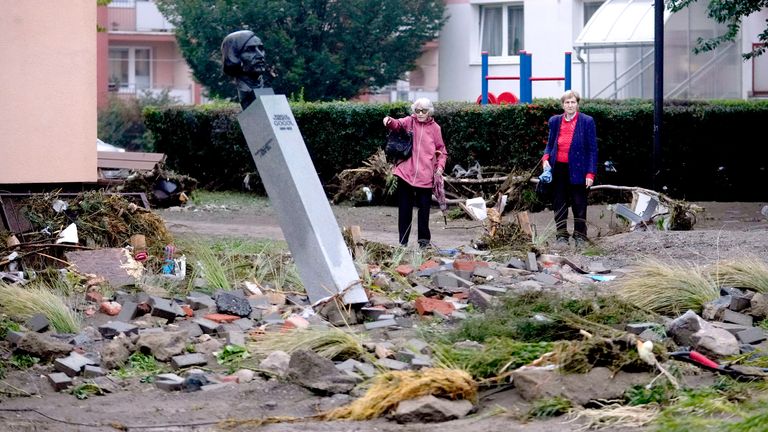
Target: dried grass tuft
391 388
748 272
668 288
331 343
24 302
615 415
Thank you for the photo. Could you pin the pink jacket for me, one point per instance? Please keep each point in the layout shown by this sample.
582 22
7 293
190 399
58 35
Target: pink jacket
427 142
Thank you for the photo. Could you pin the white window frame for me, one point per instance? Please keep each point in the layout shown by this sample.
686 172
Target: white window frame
476 42
130 86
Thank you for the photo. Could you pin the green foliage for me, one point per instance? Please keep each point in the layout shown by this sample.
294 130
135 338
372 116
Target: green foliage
552 407
206 142
537 316
121 123
139 364
319 49
232 356
731 13
642 395
83 391
497 356
7 324
23 361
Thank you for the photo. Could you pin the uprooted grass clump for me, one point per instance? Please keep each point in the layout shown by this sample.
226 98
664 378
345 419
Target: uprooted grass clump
491 359
749 272
24 302
329 342
619 353
668 288
539 316
391 388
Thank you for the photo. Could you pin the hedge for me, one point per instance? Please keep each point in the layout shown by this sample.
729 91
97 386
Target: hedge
710 150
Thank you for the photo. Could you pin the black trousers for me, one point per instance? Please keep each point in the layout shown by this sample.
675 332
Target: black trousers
567 195
407 197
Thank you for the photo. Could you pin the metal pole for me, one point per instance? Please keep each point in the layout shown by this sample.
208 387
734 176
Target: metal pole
526 95
484 73
658 89
567 70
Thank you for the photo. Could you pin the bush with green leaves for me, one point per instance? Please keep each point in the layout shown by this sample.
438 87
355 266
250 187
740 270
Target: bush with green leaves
697 163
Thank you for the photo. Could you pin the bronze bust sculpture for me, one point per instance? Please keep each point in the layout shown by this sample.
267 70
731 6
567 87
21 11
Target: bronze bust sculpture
243 59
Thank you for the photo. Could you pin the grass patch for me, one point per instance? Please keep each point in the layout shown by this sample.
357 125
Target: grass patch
331 343
538 316
748 272
232 356
552 407
497 356
24 302
229 199
668 288
139 364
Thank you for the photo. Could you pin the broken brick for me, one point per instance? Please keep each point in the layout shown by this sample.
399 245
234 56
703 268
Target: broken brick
427 305
110 308
429 264
404 269
221 318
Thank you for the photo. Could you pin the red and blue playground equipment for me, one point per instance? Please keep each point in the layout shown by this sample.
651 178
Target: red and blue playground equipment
525 78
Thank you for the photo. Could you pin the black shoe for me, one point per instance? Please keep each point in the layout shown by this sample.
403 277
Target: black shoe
423 244
580 242
561 241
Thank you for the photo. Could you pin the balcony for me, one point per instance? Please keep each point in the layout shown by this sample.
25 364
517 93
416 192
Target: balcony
136 16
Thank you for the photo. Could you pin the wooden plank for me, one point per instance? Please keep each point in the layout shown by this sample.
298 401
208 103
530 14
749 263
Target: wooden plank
135 156
357 239
525 224
126 164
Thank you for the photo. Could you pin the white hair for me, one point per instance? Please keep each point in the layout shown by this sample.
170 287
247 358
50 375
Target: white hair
423 103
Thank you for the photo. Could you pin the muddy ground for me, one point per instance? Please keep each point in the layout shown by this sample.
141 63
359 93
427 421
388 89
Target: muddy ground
725 230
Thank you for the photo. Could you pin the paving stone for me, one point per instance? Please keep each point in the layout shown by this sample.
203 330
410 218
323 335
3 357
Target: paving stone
129 311
191 328
347 365
751 335
373 313
59 381
392 364
531 263
546 279
206 325
650 334
637 328
418 346
486 272
114 328
730 316
366 369
731 328
739 303
37 323
169 382
421 361
216 386
80 339
245 324
165 308
379 324
90 371
73 364
188 360
491 289
236 338
517 264
200 301
14 337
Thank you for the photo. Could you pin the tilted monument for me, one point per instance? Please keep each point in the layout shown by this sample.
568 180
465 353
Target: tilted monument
276 145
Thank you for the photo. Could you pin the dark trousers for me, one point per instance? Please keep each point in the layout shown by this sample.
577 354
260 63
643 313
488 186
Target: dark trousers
407 197
567 195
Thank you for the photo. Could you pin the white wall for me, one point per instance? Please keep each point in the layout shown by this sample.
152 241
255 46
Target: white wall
48 92
549 33
751 27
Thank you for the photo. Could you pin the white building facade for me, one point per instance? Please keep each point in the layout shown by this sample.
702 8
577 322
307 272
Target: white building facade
622 66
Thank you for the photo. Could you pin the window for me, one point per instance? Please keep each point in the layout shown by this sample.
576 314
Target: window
589 9
501 29
129 68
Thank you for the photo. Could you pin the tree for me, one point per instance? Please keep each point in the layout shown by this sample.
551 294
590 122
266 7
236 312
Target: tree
729 12
321 49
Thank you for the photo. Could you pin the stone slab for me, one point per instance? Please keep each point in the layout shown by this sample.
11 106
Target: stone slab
308 224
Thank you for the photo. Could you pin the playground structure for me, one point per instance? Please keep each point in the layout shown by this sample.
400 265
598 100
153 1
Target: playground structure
526 80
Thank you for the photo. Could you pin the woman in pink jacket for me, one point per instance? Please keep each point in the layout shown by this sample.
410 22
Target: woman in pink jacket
415 175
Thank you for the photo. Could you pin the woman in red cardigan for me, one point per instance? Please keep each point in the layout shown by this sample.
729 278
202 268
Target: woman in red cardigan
572 148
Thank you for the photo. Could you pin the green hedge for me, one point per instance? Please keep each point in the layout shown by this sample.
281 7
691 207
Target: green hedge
710 150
